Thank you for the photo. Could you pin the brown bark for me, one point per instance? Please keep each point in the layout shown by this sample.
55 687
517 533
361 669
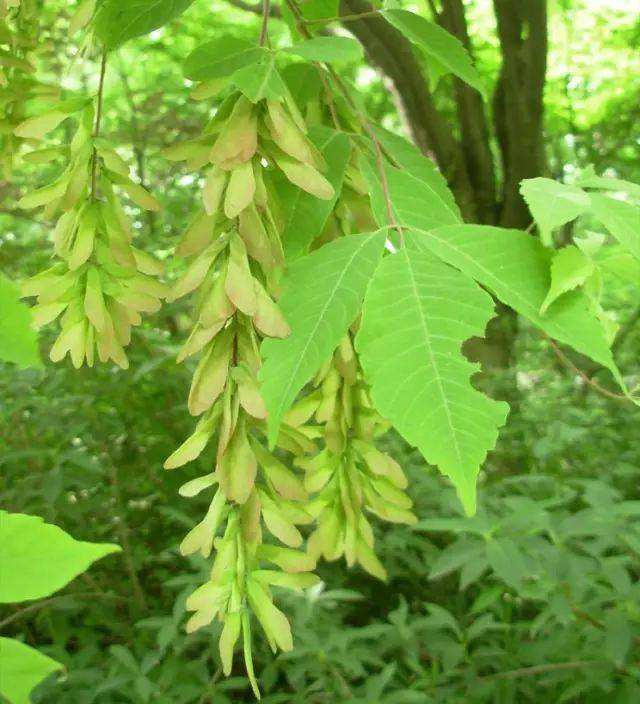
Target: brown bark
518 101
394 55
474 127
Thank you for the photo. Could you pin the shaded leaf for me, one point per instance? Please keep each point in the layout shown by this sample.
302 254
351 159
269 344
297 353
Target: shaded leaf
116 21
416 200
506 561
327 49
411 160
438 44
305 215
221 57
619 636
260 81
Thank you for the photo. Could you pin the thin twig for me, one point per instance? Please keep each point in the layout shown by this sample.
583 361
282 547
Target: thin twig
541 669
266 9
593 384
364 122
210 690
434 9
626 330
344 18
274 12
96 129
124 532
138 140
256 9
366 126
344 685
54 599
584 616
329 97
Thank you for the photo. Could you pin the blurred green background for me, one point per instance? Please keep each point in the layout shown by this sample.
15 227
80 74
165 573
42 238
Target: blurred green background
534 599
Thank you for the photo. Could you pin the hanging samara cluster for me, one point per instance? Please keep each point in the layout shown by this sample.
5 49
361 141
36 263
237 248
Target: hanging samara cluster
101 283
236 262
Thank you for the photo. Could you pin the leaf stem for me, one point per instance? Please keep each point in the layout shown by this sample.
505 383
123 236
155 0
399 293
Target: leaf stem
57 599
329 97
266 12
96 129
364 123
366 126
585 377
541 669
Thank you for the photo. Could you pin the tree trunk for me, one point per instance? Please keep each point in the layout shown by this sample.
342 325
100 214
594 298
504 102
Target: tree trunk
518 101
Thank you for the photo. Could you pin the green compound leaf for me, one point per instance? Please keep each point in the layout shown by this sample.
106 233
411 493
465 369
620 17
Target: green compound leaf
515 267
417 313
18 340
553 204
305 215
507 562
327 49
221 57
322 295
116 21
616 261
438 44
21 669
38 558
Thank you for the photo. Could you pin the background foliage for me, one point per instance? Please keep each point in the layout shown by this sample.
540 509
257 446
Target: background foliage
535 598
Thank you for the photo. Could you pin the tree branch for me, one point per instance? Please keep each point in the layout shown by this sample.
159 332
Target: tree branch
266 14
585 377
96 129
541 669
21 613
625 330
257 9
393 54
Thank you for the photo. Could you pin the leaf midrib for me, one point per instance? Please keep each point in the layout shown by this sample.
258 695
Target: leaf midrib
432 359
